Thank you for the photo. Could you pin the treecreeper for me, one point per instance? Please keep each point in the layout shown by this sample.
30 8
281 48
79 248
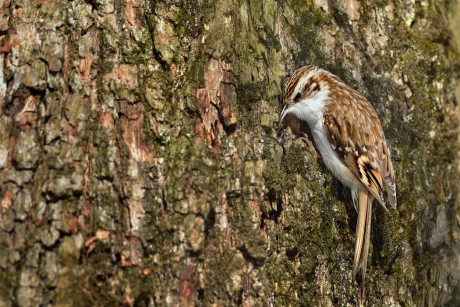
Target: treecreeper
346 132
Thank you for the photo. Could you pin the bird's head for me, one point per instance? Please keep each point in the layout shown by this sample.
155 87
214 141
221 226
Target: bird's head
302 88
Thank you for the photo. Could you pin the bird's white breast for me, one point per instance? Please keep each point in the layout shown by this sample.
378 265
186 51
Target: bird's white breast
311 110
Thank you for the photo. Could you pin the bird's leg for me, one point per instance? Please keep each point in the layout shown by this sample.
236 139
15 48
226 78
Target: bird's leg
304 137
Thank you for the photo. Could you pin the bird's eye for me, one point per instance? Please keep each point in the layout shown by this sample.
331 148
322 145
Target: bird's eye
297 97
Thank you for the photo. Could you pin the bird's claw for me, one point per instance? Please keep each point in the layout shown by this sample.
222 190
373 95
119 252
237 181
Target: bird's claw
304 137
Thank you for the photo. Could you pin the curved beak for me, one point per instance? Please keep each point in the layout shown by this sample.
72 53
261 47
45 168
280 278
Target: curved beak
283 114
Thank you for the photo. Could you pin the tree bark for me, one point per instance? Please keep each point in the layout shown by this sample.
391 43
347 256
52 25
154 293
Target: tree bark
140 163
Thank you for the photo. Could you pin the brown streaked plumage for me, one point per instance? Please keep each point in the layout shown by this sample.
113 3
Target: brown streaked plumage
347 133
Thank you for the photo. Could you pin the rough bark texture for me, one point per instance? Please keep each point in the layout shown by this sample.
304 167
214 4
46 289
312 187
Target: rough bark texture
139 161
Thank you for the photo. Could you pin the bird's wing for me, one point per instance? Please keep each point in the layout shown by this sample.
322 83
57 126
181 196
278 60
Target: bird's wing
354 132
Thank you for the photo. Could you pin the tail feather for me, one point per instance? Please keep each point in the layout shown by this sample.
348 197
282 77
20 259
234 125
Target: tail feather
363 235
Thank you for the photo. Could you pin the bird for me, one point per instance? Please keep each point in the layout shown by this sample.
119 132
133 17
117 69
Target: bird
346 132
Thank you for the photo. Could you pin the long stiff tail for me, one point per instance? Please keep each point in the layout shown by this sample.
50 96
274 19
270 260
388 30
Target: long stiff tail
363 235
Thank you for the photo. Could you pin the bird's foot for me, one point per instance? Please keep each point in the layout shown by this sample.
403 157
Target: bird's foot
304 137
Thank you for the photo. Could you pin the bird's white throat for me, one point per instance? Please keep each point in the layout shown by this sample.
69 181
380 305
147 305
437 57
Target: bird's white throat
310 109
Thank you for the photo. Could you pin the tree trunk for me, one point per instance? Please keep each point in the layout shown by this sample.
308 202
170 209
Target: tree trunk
140 163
